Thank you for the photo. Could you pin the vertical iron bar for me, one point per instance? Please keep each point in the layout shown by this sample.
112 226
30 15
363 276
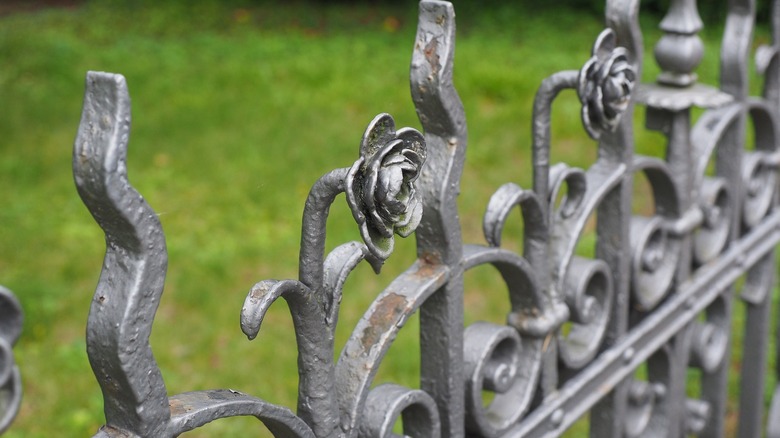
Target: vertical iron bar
756 351
676 125
607 418
439 236
735 52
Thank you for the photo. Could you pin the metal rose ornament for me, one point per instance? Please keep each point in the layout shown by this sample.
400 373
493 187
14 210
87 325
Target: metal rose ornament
604 85
380 185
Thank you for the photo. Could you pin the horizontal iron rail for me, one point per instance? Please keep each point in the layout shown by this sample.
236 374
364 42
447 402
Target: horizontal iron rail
582 392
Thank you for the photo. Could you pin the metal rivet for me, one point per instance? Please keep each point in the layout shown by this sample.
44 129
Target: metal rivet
557 417
628 355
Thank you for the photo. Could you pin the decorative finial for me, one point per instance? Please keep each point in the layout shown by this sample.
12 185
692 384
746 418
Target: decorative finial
680 50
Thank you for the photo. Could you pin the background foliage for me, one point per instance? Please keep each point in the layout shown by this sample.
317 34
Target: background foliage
238 107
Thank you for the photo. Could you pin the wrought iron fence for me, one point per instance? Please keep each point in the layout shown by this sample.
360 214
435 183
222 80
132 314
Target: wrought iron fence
658 293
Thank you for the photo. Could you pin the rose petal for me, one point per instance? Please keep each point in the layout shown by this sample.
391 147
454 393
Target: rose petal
597 105
414 141
412 218
394 158
380 225
586 122
378 133
614 102
370 179
583 80
352 186
391 212
416 157
381 247
604 43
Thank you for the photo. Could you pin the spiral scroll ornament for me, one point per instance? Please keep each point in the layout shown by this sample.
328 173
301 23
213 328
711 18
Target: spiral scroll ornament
499 362
588 293
654 261
711 238
760 180
389 402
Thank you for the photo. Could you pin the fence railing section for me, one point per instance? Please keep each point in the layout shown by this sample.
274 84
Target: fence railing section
657 294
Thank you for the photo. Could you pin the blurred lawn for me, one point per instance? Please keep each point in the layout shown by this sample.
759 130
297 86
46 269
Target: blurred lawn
237 109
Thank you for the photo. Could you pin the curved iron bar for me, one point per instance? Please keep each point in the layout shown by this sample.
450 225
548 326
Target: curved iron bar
131 284
374 333
505 360
655 241
542 118
194 409
315 215
535 250
735 50
585 284
601 178
647 404
387 402
498 361
316 401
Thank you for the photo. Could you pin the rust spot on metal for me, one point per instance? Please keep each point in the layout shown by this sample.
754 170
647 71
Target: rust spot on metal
426 270
177 407
430 258
388 310
116 433
432 55
429 262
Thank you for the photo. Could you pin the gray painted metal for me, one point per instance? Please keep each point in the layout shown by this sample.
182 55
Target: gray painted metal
10 377
659 291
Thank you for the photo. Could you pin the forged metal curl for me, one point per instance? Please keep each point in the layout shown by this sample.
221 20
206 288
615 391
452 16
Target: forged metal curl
498 361
536 313
655 246
711 238
709 338
653 263
386 403
760 178
648 400
589 292
131 283
576 186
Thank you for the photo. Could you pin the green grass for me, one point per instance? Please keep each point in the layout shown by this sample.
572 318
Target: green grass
237 109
